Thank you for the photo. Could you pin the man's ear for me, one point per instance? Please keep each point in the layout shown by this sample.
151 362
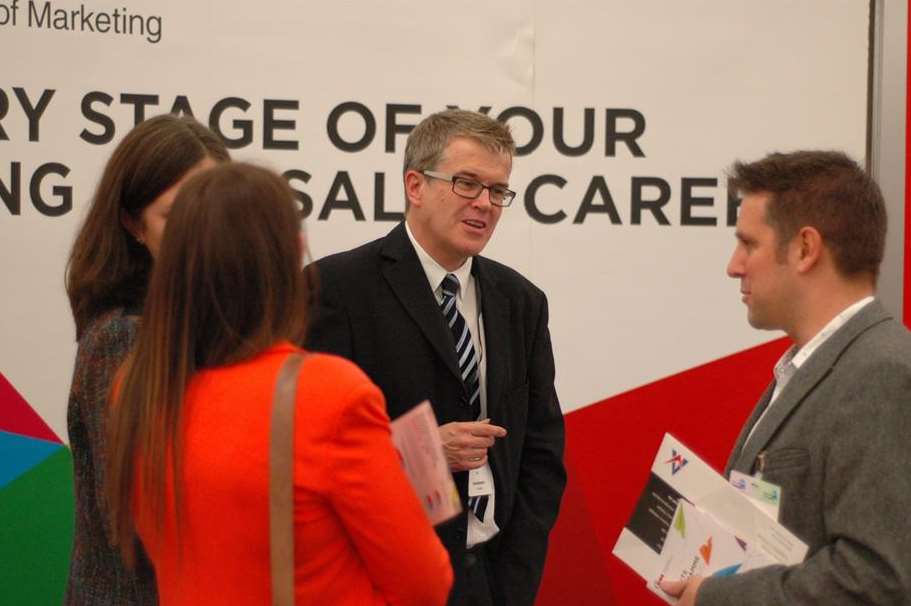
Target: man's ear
415 184
132 225
807 247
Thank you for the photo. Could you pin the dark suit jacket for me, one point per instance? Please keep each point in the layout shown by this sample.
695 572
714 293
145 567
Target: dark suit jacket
377 309
838 442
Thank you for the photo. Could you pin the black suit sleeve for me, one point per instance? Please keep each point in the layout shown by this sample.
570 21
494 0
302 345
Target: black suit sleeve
330 328
519 557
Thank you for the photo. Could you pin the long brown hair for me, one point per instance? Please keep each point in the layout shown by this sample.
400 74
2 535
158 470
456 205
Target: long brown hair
227 284
107 267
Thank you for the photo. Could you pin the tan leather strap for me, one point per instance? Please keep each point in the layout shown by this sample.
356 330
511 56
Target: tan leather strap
281 485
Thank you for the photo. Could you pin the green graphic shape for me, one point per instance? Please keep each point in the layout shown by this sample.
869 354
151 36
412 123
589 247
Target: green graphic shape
36 532
680 523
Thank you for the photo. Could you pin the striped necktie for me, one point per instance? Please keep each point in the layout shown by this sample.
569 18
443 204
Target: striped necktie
465 352
468 366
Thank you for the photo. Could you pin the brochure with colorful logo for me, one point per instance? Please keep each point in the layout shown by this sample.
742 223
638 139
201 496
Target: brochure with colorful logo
696 544
677 474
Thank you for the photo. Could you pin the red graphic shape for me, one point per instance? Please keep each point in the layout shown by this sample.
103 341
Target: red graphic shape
609 451
576 568
16 416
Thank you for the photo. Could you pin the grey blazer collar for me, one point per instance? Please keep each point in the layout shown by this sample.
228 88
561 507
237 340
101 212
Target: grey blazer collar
816 368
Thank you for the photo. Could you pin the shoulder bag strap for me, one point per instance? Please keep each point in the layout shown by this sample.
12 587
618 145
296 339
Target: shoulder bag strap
281 485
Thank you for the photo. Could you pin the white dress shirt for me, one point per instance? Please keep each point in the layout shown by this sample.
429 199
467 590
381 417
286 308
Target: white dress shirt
791 361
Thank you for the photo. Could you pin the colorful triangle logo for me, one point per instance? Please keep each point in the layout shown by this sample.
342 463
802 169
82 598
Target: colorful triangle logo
36 504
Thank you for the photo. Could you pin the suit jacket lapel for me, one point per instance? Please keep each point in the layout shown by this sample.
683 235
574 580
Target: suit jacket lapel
496 317
737 460
494 310
407 279
806 378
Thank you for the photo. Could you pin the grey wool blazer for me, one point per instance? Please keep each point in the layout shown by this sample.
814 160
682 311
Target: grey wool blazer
838 442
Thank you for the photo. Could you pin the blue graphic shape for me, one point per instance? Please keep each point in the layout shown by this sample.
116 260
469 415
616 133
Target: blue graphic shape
20 453
726 572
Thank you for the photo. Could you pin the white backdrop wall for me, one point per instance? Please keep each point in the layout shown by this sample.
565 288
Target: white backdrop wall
629 234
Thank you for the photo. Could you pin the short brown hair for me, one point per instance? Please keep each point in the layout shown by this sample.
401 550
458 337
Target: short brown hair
107 268
429 139
826 190
226 286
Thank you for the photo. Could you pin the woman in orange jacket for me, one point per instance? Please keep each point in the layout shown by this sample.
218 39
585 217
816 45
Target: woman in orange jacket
190 433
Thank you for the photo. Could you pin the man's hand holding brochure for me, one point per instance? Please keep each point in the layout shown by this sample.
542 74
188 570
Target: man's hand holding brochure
690 521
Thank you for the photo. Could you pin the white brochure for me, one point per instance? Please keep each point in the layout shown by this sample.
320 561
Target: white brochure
677 473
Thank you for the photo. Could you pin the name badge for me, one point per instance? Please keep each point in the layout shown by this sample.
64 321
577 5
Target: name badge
480 482
766 495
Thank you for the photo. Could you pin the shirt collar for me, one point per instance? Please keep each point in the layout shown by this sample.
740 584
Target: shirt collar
797 357
436 272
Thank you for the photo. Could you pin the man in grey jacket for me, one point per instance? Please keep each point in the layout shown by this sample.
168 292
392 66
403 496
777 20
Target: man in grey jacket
833 430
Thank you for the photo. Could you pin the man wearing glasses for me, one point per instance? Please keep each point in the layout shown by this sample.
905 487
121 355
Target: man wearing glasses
426 317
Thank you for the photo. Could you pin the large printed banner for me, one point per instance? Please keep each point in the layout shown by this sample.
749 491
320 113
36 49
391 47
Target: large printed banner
625 114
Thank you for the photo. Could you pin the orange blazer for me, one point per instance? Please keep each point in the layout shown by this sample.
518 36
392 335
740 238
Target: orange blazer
361 536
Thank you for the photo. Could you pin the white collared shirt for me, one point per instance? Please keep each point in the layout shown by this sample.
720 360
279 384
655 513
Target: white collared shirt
467 304
791 361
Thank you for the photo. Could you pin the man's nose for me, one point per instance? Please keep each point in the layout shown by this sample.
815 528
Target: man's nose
484 200
735 266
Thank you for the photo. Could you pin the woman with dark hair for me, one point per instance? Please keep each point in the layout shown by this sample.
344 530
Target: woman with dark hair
189 449
106 279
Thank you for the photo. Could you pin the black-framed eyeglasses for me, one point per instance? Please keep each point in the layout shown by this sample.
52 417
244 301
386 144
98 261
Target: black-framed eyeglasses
471 189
